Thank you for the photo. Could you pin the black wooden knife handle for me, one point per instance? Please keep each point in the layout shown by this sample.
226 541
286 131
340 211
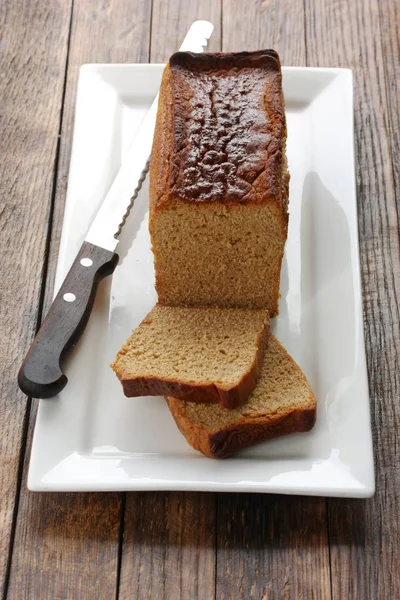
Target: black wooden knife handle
40 375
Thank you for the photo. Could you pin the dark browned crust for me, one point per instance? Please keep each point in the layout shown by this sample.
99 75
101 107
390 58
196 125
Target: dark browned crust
243 435
225 443
220 130
228 398
224 61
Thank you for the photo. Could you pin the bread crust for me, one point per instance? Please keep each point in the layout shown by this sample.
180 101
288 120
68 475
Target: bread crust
219 141
228 398
226 442
250 430
244 163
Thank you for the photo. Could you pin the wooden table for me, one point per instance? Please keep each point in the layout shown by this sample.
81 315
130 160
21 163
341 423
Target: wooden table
191 545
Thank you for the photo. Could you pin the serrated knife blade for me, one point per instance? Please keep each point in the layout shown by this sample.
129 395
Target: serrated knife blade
41 375
108 222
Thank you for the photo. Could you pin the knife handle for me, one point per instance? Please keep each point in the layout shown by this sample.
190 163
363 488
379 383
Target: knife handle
40 375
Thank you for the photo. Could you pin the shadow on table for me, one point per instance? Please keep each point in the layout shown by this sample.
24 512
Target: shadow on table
191 519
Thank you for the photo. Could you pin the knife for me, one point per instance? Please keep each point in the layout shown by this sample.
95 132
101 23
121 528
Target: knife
40 375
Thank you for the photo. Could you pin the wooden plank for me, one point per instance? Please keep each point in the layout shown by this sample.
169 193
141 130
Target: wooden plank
389 13
172 19
169 549
277 24
365 536
67 545
169 546
108 32
34 38
270 546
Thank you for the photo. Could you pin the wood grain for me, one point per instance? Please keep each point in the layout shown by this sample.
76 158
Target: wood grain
172 19
169 538
111 31
365 536
277 24
33 53
169 546
389 13
270 546
41 373
67 545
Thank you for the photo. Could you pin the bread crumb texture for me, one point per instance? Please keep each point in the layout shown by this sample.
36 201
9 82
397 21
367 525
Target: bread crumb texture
219 181
282 387
196 346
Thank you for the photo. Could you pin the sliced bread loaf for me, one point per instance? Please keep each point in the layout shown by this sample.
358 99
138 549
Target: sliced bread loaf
281 403
198 354
219 181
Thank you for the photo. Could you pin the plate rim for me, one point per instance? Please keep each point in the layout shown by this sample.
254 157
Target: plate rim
35 483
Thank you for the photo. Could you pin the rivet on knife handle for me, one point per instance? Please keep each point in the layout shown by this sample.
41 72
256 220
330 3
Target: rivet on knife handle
40 375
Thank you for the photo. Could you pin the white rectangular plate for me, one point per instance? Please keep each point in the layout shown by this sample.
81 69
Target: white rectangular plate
91 437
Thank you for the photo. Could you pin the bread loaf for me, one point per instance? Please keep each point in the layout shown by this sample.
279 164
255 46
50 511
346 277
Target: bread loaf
219 181
201 354
281 403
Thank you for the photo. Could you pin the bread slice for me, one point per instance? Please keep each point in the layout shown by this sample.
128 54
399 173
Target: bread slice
219 181
199 354
281 403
